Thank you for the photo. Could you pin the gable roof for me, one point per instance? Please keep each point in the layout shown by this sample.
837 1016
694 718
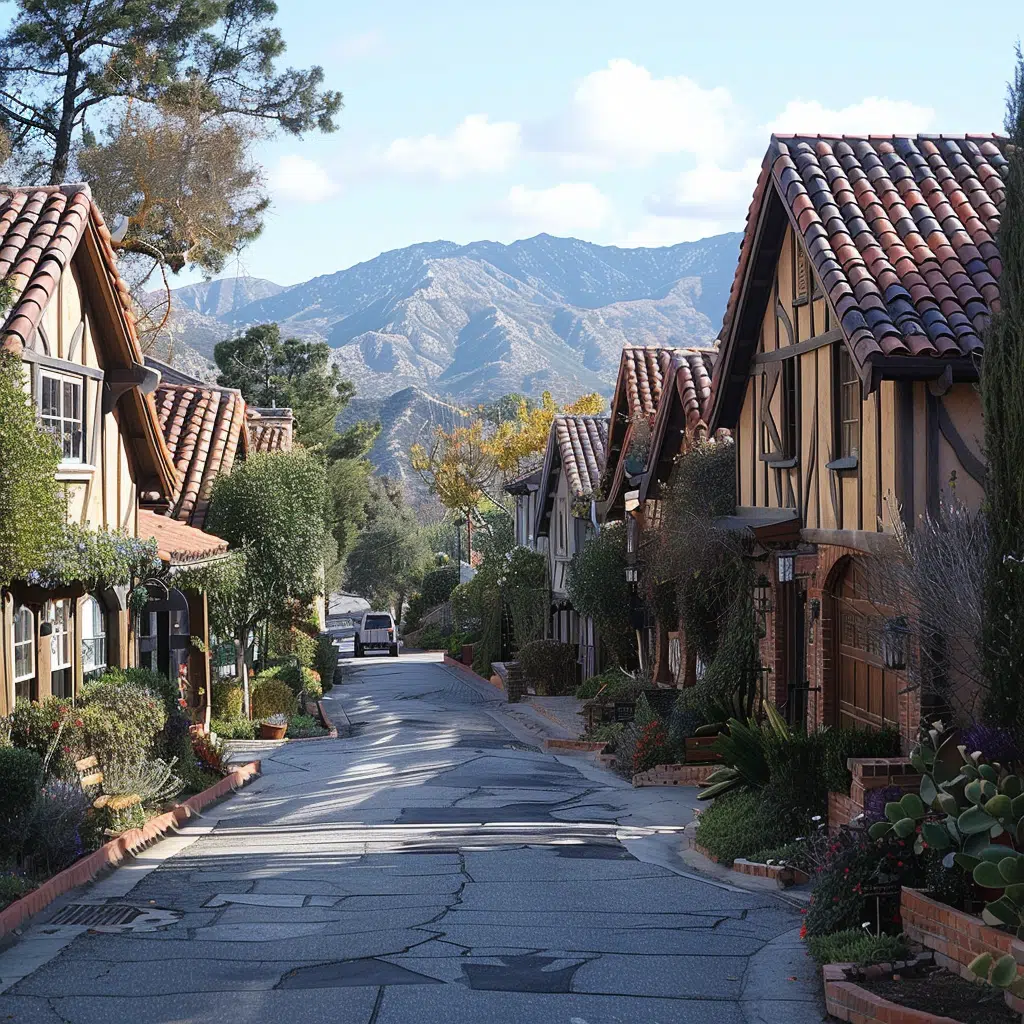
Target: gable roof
177 543
577 446
900 232
42 229
204 428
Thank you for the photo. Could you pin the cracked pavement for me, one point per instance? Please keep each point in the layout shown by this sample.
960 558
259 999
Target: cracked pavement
432 867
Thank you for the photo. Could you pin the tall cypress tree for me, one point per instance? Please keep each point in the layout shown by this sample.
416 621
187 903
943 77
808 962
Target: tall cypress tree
1002 391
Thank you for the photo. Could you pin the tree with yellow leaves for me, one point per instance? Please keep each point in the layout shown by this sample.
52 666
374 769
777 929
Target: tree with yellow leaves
471 463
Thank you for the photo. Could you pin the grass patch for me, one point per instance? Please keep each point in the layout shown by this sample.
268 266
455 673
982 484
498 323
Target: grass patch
855 946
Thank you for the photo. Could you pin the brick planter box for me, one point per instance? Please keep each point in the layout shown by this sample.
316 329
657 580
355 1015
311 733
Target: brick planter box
956 938
575 746
869 773
848 1001
117 851
675 775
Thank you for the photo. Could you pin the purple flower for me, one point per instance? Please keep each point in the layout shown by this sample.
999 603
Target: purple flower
994 742
875 801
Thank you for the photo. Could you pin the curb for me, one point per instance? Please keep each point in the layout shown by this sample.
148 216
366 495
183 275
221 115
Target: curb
783 874
450 662
575 746
675 775
116 852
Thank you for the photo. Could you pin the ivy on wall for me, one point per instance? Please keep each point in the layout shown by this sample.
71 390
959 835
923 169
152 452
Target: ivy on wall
96 558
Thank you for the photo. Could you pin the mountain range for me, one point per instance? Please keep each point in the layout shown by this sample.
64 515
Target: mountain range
465 323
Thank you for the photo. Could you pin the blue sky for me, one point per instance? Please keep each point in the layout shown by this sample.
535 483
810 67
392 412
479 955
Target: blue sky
622 123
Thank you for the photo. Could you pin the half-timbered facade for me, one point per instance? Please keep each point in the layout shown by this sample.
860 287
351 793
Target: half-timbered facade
564 508
71 325
848 374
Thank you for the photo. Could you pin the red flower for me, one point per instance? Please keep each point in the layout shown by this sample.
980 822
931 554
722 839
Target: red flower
55 725
79 723
803 930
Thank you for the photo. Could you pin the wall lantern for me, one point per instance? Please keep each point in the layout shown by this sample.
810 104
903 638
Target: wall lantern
632 574
895 632
785 568
762 596
631 500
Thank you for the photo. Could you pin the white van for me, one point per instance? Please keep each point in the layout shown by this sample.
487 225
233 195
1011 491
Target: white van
376 632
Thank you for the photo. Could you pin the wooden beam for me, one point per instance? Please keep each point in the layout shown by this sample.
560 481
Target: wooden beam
790 351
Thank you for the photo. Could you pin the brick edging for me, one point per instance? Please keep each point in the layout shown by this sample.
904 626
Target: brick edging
848 1001
115 852
580 746
452 663
784 874
675 775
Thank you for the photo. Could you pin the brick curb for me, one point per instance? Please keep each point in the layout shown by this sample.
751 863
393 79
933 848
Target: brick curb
782 873
848 1001
113 854
675 775
452 663
575 746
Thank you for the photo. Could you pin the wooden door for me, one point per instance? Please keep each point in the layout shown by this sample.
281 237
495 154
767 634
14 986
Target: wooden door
792 600
867 692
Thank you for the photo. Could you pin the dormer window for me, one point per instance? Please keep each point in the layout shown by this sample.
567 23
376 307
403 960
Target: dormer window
62 412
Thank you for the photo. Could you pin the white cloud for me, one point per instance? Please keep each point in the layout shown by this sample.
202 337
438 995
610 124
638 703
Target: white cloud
708 191
873 115
476 146
560 210
301 180
623 115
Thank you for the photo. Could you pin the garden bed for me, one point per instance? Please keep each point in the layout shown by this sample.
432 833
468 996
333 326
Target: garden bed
115 852
916 992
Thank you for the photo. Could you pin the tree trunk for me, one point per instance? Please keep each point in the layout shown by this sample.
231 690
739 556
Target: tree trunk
242 671
66 127
398 610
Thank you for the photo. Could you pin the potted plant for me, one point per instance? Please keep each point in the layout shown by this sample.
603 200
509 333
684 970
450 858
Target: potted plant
273 727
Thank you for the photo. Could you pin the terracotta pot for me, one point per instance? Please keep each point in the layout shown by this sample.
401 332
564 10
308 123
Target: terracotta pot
272 732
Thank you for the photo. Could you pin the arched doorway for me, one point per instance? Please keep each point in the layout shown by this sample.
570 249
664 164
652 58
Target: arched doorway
864 693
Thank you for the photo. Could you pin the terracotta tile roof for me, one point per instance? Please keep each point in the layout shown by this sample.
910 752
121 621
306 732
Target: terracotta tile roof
178 544
270 430
577 446
901 232
204 429
41 230
581 444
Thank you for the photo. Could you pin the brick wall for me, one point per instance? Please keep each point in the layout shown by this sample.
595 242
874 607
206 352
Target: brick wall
869 773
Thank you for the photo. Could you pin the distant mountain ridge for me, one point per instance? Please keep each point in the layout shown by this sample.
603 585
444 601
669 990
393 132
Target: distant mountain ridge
470 322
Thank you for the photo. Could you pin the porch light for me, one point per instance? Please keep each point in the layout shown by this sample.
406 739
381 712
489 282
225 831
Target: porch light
632 500
632 574
785 568
894 642
762 596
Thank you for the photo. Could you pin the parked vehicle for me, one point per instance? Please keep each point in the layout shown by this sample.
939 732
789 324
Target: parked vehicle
376 632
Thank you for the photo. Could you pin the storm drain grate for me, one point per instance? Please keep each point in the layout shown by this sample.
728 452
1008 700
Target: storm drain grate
93 916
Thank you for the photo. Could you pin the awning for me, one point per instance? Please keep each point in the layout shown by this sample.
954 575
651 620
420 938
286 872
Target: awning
178 544
767 525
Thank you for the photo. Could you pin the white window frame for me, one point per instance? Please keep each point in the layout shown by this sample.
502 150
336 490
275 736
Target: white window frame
60 638
94 635
29 642
63 424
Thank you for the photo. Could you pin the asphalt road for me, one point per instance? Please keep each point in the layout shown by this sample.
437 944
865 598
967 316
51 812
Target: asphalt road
431 867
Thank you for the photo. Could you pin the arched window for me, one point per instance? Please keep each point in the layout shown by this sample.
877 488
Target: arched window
94 637
24 630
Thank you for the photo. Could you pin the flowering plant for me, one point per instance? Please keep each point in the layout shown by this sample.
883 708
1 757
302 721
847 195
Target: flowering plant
97 558
652 747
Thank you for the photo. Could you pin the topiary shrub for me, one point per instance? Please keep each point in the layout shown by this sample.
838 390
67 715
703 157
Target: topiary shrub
145 679
270 696
120 722
326 662
550 665
226 699
842 744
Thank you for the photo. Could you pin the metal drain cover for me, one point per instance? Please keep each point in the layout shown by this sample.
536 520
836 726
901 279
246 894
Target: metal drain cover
114 917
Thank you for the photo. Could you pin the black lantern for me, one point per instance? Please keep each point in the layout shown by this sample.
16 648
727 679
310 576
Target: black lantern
894 642
762 596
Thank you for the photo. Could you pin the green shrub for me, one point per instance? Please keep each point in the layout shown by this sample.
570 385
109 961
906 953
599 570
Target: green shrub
21 771
795 854
438 585
294 643
856 946
841 744
550 665
227 699
739 824
54 837
304 725
326 660
296 677
610 683
120 722
236 728
311 685
270 696
652 747
433 638
13 887
145 679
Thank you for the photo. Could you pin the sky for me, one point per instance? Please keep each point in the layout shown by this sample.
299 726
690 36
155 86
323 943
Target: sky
631 124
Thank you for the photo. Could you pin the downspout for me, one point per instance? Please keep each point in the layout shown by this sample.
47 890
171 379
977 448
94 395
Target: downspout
593 517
